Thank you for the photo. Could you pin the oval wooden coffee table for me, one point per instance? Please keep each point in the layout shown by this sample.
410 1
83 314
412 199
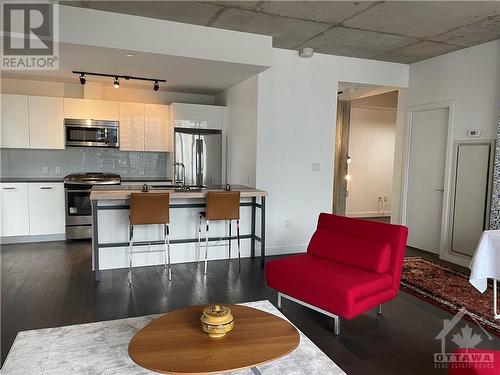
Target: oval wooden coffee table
175 344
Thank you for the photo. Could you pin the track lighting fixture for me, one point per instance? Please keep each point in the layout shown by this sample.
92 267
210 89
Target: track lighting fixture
116 81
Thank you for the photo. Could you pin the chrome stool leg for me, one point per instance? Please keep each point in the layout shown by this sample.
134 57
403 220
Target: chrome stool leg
230 240
238 235
130 247
206 245
165 254
168 248
199 237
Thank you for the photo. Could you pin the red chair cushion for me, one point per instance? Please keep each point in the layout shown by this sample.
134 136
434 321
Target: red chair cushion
475 362
338 288
365 253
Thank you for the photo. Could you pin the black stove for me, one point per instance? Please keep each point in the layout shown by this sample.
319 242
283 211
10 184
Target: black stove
78 187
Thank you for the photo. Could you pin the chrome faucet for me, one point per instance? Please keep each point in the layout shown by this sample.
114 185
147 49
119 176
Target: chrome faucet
179 164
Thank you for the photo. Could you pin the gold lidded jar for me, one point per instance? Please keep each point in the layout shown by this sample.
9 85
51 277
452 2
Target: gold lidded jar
217 320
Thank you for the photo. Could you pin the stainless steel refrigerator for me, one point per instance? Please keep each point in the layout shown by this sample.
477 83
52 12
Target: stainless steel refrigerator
200 152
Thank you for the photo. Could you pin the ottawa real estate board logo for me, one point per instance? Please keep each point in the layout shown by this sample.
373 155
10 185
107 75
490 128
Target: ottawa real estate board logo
459 345
30 35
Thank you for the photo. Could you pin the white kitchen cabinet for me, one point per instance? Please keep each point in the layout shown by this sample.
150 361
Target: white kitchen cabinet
198 116
15 209
46 122
131 126
91 109
46 208
15 121
158 133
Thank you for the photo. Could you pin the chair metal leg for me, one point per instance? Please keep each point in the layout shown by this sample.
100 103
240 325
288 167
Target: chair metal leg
168 249
130 247
199 237
230 232
336 326
239 246
379 311
279 301
206 245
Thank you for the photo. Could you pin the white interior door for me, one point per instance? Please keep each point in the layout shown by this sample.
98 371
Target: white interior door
428 140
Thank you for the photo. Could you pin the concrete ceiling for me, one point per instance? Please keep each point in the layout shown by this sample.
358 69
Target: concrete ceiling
398 31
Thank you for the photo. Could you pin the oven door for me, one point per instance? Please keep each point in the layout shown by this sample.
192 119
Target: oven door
78 207
77 135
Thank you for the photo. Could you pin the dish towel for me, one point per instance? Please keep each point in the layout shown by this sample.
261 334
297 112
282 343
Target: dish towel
486 261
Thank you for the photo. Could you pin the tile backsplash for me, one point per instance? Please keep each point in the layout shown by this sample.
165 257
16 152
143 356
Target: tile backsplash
59 163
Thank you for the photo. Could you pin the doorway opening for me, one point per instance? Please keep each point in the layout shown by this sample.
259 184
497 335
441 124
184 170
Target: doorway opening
364 152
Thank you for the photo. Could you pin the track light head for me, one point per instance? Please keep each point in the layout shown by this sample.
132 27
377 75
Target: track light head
156 86
83 79
116 83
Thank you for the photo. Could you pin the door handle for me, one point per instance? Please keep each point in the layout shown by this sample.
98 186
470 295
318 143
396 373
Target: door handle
9 188
46 188
439 190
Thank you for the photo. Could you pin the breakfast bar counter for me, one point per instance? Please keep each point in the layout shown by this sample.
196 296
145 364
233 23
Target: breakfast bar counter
110 210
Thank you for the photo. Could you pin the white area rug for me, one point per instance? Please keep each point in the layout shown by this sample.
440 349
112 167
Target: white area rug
102 349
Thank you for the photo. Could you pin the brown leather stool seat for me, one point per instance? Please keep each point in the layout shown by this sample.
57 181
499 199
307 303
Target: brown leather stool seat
223 205
150 209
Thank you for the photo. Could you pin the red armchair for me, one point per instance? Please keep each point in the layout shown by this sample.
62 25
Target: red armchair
351 266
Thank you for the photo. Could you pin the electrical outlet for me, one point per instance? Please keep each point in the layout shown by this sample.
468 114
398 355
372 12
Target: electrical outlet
58 170
315 167
45 169
287 223
386 199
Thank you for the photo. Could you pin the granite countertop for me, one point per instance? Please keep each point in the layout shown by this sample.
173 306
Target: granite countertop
117 192
146 179
60 179
30 179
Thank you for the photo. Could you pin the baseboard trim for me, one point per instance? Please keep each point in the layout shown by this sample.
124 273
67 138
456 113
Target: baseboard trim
37 238
368 214
288 249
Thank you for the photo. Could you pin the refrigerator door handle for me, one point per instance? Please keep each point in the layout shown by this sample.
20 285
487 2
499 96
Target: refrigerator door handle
199 153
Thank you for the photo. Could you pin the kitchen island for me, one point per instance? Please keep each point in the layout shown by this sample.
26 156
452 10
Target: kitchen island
110 211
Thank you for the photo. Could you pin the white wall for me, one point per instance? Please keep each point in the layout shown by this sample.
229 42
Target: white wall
296 128
92 28
371 148
241 102
75 90
471 79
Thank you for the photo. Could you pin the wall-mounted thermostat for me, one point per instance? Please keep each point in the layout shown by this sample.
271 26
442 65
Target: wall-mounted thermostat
473 133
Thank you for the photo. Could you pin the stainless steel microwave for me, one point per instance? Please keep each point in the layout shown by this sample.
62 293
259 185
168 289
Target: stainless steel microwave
91 133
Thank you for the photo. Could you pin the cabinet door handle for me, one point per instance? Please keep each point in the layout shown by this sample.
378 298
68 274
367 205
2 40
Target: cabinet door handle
9 188
46 188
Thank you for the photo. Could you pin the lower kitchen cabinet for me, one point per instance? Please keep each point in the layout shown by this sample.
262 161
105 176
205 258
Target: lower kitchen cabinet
46 208
15 209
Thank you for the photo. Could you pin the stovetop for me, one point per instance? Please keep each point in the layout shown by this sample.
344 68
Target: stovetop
92 179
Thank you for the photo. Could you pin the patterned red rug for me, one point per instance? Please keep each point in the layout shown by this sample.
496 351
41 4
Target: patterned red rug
449 290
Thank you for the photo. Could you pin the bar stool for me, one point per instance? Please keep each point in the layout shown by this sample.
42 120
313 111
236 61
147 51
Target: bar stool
147 209
223 205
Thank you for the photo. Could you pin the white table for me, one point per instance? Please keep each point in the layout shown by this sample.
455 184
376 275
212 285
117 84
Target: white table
486 264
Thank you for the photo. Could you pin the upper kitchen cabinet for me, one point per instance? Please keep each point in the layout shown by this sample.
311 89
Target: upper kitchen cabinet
131 126
46 122
91 109
158 132
15 121
198 116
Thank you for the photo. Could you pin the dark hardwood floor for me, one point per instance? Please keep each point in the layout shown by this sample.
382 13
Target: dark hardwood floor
50 284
